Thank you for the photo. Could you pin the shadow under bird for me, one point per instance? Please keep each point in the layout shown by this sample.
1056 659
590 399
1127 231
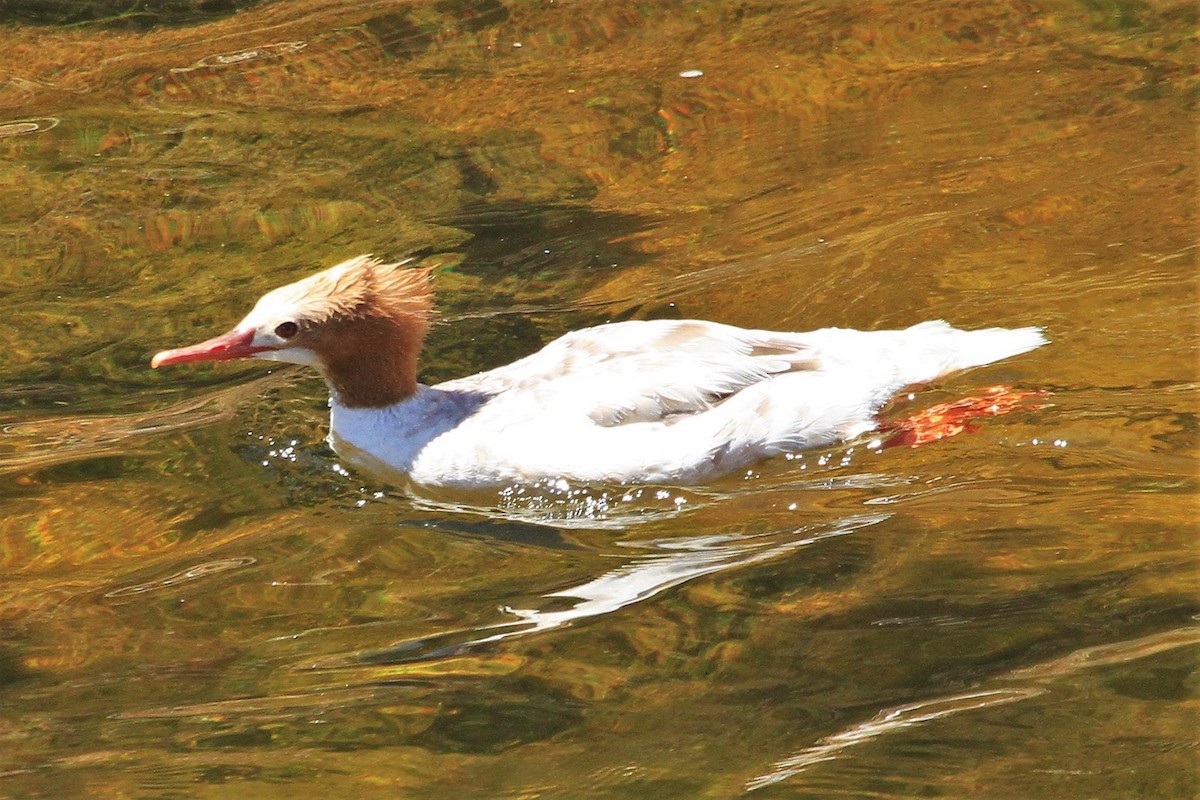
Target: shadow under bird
672 401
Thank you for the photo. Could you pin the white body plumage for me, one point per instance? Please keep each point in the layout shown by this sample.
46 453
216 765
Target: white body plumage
657 401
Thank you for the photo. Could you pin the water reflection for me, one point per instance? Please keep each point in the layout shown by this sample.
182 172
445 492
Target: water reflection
891 720
900 718
277 50
40 443
192 573
858 165
21 127
670 563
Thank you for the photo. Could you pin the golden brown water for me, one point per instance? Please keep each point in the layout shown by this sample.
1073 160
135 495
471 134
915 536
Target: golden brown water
197 600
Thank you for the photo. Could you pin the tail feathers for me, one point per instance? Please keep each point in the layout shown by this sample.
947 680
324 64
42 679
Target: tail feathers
962 349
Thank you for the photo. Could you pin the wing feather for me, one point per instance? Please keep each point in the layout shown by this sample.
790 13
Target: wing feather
646 371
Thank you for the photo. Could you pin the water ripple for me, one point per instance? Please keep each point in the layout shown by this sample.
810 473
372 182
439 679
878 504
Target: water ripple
41 443
670 563
185 576
912 714
277 50
21 127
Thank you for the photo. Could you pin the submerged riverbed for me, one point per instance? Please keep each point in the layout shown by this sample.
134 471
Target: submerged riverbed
197 599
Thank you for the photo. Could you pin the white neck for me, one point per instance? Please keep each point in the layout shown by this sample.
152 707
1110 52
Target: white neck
393 437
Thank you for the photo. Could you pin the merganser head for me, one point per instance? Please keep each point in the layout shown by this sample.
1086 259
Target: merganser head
361 323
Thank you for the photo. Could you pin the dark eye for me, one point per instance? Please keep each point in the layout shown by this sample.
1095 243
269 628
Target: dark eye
286 330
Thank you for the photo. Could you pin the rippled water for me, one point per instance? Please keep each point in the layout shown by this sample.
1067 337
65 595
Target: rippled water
199 600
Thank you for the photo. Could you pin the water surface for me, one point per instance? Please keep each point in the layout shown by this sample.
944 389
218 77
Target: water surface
197 599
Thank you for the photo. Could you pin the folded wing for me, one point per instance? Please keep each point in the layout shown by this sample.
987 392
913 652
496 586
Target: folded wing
645 371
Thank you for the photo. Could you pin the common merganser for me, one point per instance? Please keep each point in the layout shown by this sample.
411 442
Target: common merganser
670 401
